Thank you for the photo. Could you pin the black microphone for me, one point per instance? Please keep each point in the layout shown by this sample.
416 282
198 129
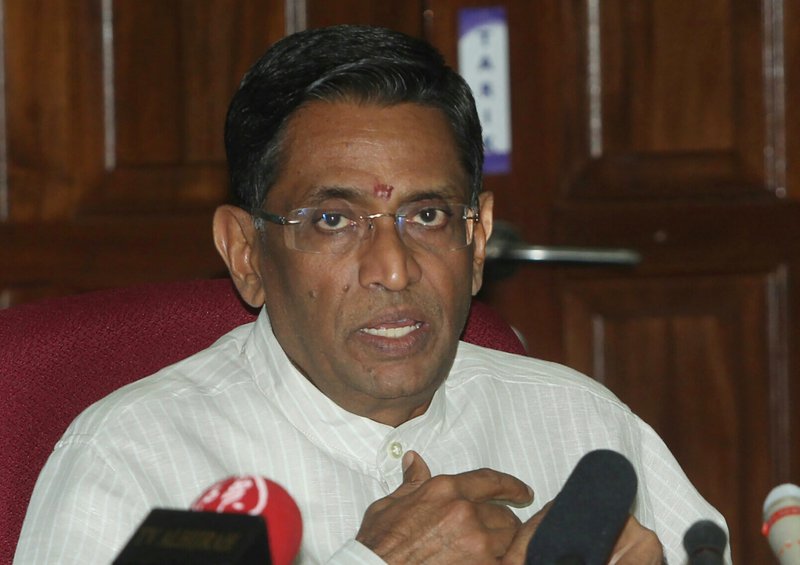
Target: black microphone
587 516
705 543
200 538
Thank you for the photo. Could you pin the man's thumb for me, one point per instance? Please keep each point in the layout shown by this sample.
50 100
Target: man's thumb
415 470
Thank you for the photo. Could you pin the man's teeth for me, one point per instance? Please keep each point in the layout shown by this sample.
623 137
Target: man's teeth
392 332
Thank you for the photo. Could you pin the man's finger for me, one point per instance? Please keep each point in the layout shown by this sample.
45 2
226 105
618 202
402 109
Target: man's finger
415 470
497 516
485 485
519 546
637 545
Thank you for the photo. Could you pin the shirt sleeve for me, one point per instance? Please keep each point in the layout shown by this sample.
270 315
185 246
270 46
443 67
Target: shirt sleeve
82 510
674 502
355 553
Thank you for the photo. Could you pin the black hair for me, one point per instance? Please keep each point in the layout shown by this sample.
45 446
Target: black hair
340 63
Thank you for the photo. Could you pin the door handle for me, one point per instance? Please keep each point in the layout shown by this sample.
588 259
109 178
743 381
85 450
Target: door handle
506 245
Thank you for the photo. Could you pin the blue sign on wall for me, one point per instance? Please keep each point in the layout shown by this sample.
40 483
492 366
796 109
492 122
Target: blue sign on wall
483 62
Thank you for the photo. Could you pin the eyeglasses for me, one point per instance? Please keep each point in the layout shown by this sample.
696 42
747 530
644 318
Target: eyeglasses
434 225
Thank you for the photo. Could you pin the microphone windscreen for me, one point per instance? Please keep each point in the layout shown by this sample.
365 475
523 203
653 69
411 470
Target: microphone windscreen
705 543
586 517
258 496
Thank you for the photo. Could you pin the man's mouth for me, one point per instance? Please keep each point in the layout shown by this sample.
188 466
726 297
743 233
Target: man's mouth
392 332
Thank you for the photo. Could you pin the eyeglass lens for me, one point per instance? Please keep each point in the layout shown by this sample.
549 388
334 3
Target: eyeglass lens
432 225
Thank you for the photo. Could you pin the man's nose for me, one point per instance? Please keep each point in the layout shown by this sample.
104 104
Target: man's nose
386 261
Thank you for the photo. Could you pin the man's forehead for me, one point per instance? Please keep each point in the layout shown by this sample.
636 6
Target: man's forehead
313 118
369 152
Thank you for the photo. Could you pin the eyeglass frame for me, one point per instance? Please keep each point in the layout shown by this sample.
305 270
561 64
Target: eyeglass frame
283 220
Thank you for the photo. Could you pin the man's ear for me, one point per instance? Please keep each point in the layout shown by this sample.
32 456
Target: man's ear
236 239
482 233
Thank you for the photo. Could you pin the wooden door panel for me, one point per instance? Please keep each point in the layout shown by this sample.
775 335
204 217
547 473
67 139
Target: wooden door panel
115 121
668 99
673 103
176 66
53 103
691 354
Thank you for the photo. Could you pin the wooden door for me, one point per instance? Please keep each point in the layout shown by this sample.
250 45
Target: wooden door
668 127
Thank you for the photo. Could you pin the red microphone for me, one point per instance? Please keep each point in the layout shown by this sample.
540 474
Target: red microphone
243 520
258 496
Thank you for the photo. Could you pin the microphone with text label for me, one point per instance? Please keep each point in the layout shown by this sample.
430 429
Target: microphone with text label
242 520
782 523
587 516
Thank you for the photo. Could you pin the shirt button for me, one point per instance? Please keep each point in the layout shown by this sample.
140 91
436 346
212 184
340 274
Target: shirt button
396 449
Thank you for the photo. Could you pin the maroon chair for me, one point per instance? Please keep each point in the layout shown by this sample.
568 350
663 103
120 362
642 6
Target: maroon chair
58 356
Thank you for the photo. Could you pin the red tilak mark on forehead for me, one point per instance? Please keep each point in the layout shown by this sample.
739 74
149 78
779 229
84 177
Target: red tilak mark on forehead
383 191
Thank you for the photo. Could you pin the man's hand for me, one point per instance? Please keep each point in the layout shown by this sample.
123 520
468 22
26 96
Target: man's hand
445 519
636 544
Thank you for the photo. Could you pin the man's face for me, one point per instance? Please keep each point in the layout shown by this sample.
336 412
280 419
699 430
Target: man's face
375 328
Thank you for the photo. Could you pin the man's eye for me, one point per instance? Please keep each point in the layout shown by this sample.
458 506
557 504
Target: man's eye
331 221
431 217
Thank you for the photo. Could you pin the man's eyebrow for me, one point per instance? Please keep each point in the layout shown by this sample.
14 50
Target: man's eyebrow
322 193
443 193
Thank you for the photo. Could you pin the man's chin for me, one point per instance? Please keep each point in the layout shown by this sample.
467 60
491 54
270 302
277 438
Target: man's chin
395 403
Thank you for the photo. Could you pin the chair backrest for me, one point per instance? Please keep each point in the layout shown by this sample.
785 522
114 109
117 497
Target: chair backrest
59 356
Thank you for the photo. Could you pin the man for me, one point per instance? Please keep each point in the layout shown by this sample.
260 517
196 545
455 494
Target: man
355 159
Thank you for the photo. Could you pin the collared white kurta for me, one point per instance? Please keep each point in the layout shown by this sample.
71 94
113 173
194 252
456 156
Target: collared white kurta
241 407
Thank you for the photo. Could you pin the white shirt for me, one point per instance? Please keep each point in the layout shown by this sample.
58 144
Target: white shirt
241 407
